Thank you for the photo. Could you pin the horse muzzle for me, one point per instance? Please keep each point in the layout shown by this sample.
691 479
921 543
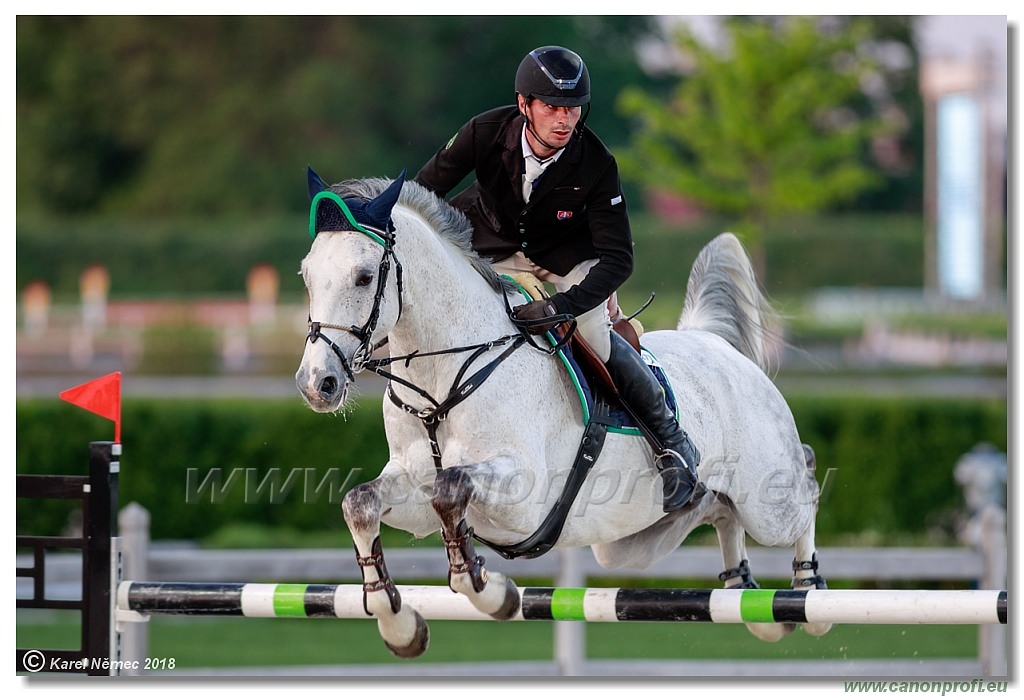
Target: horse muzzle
323 388
325 374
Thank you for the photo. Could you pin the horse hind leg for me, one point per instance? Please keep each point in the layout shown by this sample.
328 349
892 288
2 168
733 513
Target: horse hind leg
732 540
404 631
805 561
491 593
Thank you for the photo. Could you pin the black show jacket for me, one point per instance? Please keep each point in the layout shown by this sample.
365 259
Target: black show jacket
576 212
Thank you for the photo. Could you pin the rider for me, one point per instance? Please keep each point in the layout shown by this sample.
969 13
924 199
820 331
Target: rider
547 200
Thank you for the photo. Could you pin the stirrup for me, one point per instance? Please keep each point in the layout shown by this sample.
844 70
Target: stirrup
669 452
697 488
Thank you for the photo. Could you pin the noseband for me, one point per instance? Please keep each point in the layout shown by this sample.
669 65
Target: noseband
364 333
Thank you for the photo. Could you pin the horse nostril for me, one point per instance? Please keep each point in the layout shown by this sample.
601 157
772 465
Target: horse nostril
328 387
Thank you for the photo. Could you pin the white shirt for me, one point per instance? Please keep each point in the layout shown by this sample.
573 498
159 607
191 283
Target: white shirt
535 166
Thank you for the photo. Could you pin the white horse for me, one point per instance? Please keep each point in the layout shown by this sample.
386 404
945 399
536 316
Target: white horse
482 427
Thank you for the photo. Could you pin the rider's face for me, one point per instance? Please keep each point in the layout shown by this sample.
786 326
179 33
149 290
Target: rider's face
554 125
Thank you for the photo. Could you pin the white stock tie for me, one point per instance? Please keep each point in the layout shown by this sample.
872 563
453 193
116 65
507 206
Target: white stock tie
534 169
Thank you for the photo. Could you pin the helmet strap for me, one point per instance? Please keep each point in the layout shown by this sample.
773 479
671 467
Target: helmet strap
533 132
582 122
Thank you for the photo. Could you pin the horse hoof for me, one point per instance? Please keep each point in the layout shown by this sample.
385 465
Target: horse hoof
817 629
418 643
510 607
770 631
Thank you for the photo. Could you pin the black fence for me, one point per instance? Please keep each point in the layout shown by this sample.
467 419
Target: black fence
98 495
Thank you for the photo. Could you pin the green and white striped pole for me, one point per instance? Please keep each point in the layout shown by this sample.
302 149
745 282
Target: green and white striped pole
580 604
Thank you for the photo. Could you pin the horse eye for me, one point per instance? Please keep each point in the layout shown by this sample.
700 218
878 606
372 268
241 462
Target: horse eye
364 279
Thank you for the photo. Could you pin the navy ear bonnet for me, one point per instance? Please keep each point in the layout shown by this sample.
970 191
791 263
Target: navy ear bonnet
329 212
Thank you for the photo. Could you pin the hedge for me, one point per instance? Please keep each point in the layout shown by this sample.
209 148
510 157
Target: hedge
886 466
203 258
892 461
172 450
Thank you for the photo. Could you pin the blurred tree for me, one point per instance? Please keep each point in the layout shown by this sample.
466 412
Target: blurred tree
773 125
212 116
896 93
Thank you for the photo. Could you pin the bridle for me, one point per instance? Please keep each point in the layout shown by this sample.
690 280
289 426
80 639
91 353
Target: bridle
364 333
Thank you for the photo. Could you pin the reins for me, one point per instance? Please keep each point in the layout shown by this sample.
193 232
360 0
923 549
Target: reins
460 391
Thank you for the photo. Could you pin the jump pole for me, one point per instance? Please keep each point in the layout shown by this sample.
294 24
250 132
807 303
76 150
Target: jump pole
288 600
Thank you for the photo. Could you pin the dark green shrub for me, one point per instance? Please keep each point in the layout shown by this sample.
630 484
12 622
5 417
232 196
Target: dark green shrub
887 465
198 466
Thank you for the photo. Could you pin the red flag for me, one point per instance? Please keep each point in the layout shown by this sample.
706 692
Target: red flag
101 396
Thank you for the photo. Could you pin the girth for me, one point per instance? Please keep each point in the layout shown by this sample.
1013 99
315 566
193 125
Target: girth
545 537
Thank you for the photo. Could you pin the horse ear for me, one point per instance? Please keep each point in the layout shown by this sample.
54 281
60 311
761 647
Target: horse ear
379 209
314 185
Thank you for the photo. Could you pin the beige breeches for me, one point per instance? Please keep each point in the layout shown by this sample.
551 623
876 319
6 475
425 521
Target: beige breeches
593 326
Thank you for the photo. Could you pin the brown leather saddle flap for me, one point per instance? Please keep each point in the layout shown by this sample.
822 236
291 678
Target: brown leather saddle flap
592 365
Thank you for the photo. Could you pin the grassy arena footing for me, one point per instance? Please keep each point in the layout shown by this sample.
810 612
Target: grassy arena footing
231 642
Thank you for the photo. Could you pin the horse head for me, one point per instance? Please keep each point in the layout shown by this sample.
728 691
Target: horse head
354 285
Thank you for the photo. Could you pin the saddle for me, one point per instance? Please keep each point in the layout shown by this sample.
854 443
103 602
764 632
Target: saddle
591 364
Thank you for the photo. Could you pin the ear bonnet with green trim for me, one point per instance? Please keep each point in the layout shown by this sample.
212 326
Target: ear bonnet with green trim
329 212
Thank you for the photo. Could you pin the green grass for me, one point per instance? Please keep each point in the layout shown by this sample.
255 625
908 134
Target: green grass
227 642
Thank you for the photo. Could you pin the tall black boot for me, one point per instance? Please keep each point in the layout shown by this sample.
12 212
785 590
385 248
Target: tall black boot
677 457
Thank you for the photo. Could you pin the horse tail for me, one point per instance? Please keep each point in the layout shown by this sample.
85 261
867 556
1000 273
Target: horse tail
724 298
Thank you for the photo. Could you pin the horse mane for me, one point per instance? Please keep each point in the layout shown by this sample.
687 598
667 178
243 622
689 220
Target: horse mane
449 223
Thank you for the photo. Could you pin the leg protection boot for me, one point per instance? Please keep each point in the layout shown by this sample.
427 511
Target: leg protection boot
676 456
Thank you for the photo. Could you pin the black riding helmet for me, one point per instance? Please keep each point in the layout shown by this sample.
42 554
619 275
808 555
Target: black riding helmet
555 76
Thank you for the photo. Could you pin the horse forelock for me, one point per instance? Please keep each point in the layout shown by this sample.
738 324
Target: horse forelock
445 220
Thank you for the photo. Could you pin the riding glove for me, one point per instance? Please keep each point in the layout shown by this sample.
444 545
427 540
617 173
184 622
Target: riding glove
535 313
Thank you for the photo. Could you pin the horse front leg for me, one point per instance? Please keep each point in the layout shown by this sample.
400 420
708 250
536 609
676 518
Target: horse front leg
491 593
403 630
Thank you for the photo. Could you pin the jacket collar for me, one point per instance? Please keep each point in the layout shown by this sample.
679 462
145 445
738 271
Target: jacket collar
512 157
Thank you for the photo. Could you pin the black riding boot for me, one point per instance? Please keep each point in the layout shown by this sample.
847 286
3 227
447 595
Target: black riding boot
640 391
